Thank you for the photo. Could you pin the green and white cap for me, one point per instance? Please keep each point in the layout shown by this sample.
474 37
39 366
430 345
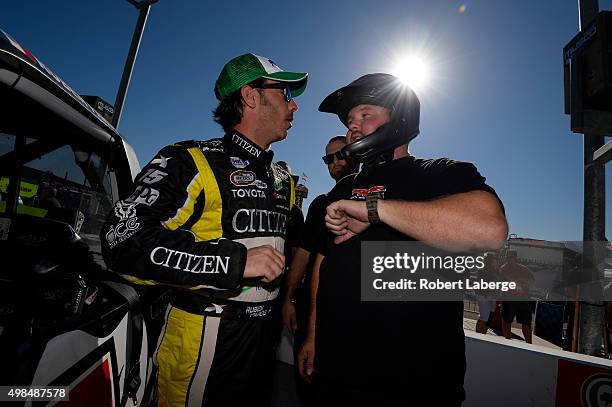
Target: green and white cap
248 67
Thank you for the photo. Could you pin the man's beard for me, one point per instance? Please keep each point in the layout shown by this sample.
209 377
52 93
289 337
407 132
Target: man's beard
337 175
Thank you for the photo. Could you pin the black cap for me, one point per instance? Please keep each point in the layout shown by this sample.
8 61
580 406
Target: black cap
379 89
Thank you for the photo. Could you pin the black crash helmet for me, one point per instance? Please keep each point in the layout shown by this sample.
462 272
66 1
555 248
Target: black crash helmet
377 89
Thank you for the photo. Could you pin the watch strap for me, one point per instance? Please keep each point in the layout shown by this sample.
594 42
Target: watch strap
372 207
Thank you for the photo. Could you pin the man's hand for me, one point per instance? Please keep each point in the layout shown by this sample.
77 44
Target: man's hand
289 317
306 358
346 219
264 262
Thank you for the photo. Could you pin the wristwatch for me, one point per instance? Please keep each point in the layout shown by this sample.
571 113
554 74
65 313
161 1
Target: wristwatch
372 206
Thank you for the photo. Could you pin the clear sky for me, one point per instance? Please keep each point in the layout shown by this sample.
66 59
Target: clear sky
495 95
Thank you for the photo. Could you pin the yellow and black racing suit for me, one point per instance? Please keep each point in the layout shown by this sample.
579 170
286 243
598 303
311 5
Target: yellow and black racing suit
196 209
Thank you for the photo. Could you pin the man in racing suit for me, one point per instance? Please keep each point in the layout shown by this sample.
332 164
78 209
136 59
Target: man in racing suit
209 219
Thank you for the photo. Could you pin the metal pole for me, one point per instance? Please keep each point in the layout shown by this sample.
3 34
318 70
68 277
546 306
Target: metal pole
591 312
144 7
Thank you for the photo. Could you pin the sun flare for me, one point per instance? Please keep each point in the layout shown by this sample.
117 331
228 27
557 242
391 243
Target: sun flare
413 71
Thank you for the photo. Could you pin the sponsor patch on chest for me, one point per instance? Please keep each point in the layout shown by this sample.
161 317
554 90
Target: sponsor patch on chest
361 193
248 193
239 163
242 178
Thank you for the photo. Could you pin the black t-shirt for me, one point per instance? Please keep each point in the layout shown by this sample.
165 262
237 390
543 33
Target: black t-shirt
314 227
313 232
382 345
295 229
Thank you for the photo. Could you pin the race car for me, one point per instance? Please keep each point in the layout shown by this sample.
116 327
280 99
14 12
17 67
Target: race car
66 321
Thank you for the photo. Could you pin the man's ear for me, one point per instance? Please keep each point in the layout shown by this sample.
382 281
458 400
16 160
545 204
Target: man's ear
249 96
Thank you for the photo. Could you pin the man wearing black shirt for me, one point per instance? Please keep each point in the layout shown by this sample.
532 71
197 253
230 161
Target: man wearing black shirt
293 290
296 291
368 352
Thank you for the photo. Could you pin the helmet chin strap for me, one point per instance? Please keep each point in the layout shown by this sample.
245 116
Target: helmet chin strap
384 157
380 145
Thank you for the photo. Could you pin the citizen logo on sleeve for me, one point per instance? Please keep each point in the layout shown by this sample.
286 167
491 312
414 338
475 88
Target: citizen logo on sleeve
361 193
239 163
169 258
242 178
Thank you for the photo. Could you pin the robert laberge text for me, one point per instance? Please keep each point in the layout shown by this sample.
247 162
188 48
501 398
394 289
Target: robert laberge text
437 284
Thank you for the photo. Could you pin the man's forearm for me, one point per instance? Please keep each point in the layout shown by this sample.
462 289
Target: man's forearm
314 288
465 221
295 273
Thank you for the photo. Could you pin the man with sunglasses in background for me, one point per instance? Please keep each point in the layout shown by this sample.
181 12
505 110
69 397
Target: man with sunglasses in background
337 165
296 294
209 219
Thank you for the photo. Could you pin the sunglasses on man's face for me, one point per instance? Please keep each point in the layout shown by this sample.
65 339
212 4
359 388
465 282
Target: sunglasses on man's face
329 158
284 86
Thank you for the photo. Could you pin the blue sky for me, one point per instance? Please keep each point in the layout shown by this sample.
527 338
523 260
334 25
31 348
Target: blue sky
495 96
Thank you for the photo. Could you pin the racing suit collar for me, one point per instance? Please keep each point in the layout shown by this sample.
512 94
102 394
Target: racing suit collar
250 149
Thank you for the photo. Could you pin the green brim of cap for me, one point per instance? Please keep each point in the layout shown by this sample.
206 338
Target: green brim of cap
297 80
